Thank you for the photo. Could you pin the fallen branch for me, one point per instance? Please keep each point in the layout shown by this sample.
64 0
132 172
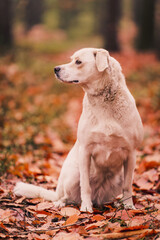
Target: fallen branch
125 234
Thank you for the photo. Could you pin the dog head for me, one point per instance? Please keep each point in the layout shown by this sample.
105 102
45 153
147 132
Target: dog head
87 64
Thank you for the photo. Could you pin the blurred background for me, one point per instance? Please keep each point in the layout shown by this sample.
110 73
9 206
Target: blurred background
59 21
38 114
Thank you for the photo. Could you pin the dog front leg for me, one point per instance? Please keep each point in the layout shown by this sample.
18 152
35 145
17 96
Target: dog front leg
84 168
129 166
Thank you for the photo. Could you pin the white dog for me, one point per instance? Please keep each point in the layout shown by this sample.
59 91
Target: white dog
101 163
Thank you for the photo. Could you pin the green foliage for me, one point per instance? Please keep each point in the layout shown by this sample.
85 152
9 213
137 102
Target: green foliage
5 161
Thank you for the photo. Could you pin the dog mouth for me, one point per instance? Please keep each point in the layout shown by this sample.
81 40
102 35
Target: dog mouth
72 81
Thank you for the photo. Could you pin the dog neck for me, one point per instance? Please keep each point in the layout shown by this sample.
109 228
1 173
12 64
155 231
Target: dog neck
108 93
106 89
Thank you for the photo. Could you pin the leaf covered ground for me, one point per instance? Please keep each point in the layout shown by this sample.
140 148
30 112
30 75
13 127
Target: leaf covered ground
38 122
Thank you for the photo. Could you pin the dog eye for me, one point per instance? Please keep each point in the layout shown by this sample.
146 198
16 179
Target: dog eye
78 62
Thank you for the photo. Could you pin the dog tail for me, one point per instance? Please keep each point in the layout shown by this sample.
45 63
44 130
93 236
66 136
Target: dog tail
32 191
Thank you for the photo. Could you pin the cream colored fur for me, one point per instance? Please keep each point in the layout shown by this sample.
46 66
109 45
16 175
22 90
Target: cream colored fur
101 163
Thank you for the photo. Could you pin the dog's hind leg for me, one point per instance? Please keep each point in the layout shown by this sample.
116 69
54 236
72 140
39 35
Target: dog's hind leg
129 166
68 184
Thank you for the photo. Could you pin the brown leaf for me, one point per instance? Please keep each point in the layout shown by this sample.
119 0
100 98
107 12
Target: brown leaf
35 236
2 226
2 235
137 211
98 217
42 213
47 224
2 190
152 175
82 230
5 215
144 183
67 236
133 228
34 200
20 200
124 215
137 221
44 205
145 165
69 211
72 219
95 225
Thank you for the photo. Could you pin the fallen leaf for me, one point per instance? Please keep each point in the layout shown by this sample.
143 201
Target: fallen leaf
151 175
20 200
124 215
69 211
2 190
151 164
35 200
3 235
44 205
82 230
133 228
67 236
95 225
137 221
72 219
144 183
98 217
35 236
2 226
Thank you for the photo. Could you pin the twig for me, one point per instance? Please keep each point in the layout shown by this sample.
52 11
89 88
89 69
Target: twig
125 234
49 229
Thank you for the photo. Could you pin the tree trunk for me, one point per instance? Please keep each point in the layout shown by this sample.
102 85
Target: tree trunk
157 28
33 13
6 18
110 14
144 16
68 11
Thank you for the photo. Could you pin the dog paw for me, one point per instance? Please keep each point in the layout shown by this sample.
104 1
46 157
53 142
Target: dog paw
86 208
59 204
129 206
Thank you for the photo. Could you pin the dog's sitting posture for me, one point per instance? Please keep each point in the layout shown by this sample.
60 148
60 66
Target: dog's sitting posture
101 163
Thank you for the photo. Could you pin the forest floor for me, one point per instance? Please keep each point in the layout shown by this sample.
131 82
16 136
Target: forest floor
38 122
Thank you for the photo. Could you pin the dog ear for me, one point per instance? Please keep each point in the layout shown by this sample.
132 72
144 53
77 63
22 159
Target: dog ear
102 59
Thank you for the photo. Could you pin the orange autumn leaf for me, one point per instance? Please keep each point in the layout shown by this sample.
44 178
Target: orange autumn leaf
2 226
123 229
144 165
82 230
72 219
98 217
95 225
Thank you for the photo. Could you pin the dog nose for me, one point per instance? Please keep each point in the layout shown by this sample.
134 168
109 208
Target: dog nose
57 69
